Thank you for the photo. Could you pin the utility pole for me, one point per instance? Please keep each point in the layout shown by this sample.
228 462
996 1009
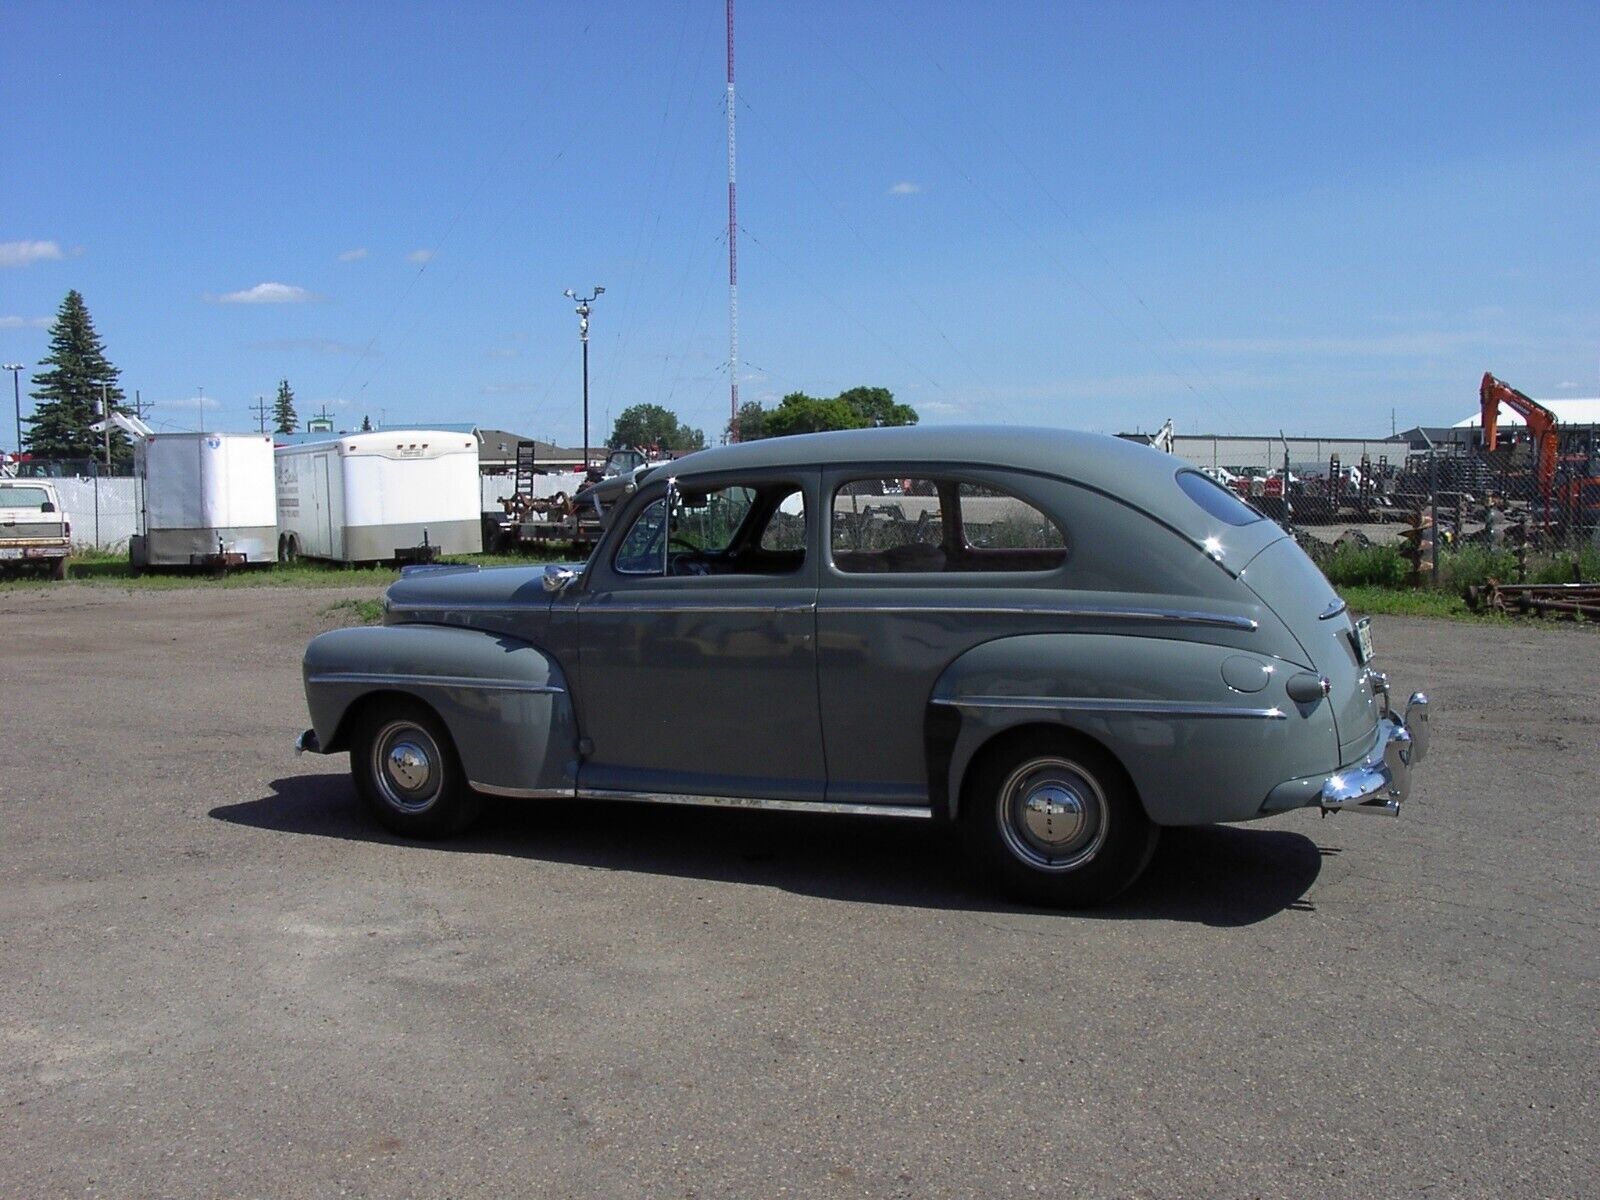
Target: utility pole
733 255
260 410
139 405
16 398
105 411
583 336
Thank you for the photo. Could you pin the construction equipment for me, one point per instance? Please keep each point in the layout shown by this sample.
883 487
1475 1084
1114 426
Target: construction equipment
1539 420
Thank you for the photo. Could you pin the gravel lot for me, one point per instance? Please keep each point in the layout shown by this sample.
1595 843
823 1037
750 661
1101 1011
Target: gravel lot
219 979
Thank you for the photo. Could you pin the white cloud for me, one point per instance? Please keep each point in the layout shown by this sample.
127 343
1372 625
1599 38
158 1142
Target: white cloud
267 293
355 255
905 188
24 322
206 403
420 256
21 254
1566 385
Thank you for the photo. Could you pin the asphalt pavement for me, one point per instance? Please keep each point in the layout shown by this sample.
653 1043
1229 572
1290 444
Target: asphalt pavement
218 978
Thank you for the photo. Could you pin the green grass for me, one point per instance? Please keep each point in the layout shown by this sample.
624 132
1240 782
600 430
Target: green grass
356 612
98 568
1369 600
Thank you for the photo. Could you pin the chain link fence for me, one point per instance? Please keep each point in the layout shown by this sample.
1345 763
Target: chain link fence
1450 515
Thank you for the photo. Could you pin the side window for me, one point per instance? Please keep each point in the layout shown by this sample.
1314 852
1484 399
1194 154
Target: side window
786 527
732 530
928 525
641 551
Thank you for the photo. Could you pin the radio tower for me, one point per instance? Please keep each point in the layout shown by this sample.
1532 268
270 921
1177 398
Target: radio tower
733 257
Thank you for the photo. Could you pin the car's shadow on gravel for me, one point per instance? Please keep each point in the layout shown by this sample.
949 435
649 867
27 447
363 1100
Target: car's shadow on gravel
1213 875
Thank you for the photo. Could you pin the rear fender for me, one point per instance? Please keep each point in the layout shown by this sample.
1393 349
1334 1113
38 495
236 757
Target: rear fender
505 702
1196 749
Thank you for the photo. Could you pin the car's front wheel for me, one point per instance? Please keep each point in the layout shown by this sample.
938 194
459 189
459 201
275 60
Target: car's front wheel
406 770
1055 821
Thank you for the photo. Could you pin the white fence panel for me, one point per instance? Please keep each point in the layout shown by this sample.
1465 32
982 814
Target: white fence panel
104 510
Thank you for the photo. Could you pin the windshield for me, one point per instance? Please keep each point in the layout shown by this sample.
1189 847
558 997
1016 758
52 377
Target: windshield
24 497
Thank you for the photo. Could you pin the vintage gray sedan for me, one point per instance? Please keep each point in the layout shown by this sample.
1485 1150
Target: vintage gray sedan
1060 641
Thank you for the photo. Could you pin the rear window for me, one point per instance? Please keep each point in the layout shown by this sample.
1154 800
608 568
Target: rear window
23 497
1217 500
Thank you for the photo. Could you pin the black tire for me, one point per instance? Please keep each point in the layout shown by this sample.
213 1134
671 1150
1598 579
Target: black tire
288 548
1054 820
407 773
58 571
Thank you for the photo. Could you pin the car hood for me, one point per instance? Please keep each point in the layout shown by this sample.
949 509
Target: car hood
500 599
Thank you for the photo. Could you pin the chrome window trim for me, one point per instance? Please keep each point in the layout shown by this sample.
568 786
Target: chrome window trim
1160 615
446 681
1117 707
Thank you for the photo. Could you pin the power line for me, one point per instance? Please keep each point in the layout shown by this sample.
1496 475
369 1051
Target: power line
260 409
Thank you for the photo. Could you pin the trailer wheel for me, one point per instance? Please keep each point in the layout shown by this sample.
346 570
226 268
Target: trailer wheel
288 548
406 771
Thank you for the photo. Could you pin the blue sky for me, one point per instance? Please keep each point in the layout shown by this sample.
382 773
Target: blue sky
1244 217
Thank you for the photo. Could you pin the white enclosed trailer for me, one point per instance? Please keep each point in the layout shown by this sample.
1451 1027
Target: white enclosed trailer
370 497
206 499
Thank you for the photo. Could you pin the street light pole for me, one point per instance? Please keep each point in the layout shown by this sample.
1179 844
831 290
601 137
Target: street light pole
16 398
583 336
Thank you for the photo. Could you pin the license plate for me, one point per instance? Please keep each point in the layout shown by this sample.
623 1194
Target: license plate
1364 640
9 552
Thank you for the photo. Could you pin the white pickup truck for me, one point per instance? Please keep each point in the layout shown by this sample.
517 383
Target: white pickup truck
34 533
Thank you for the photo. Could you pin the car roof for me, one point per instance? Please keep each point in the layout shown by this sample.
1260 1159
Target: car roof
1137 473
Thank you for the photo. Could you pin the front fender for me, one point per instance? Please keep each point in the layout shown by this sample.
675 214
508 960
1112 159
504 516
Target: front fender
505 702
1197 749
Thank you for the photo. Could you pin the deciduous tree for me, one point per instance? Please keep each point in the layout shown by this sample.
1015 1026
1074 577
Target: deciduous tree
652 425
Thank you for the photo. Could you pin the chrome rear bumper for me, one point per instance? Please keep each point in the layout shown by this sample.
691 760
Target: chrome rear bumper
1382 780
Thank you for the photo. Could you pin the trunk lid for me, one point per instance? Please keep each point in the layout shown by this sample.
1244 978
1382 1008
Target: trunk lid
1289 583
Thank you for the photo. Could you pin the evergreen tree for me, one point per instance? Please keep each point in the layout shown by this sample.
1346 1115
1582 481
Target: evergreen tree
284 418
366 424
77 376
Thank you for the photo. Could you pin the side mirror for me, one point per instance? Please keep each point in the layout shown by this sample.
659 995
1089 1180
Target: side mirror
47 507
557 578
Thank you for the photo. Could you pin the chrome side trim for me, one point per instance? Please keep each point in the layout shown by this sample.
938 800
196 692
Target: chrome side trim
449 681
421 606
1117 707
1170 616
666 609
490 789
1333 610
810 806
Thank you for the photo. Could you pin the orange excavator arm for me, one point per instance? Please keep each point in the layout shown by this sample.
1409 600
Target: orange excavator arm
1541 423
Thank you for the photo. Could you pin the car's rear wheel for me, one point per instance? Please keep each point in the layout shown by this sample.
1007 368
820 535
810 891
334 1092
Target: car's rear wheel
1055 821
58 571
406 770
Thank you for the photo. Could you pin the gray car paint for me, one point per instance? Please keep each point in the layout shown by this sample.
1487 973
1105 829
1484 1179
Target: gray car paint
698 685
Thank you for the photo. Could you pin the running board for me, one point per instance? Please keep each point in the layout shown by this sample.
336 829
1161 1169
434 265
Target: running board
804 806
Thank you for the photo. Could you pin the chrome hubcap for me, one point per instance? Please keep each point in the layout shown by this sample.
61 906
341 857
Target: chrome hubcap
1053 814
405 764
